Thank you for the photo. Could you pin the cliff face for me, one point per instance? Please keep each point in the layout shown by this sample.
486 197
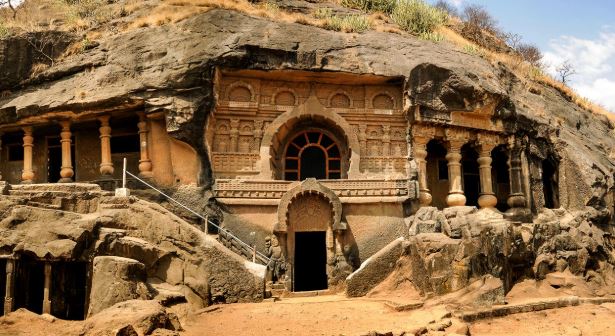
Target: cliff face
171 68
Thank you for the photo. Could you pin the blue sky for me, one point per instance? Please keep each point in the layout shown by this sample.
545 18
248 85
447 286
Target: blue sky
582 32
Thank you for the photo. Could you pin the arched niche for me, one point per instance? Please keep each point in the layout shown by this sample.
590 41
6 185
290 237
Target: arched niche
312 111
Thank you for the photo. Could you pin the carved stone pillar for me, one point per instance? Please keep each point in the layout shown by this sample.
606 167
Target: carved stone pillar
456 139
27 176
106 164
8 296
46 300
516 199
234 136
420 155
363 139
258 135
386 140
145 164
1 134
487 197
66 172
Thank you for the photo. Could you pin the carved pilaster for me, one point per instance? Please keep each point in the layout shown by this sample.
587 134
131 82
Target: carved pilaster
258 135
234 135
1 134
363 138
27 175
386 140
422 136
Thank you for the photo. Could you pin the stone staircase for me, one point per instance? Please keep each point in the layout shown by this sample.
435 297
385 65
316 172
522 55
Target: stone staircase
73 197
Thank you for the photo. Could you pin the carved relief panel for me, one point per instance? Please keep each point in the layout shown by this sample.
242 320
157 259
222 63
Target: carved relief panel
310 213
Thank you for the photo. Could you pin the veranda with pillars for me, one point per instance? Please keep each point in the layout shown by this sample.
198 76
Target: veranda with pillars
85 149
454 139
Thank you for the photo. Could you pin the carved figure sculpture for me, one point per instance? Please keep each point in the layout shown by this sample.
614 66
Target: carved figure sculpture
277 263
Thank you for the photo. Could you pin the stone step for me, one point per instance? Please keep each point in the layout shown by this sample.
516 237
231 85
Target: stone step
44 205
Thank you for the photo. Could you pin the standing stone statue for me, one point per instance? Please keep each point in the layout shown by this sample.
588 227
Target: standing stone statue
277 263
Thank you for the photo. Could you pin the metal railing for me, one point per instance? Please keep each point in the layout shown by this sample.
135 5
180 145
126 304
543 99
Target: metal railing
256 255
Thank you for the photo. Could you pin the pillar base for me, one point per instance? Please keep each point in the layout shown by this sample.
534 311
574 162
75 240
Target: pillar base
46 306
66 180
8 305
26 182
146 175
455 200
487 201
425 198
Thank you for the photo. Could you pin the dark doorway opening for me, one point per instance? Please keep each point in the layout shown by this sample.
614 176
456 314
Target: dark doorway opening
313 163
2 284
29 284
54 159
471 177
310 267
550 183
437 173
68 290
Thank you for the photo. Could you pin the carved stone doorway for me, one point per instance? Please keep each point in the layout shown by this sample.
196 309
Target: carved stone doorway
310 266
2 284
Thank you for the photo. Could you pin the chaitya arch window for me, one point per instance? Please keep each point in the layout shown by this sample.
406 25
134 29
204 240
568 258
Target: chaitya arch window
312 154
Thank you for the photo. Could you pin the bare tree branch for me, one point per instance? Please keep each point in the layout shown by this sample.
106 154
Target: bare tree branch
11 6
565 70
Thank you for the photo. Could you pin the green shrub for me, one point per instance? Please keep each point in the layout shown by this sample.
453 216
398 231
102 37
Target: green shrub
4 31
323 13
348 23
385 6
474 50
434 37
417 17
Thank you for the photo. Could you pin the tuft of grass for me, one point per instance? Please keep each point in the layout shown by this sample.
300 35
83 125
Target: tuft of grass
384 6
433 37
417 17
348 23
4 31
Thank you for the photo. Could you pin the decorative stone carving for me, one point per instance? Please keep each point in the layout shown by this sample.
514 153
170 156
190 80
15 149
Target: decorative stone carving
309 186
456 139
487 143
106 164
276 268
258 135
310 212
234 135
240 93
66 171
339 100
383 101
386 140
285 98
27 175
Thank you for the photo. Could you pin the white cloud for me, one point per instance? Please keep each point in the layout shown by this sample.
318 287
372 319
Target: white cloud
594 62
456 3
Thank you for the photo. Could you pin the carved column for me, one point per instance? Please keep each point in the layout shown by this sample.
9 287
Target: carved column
363 139
234 136
456 140
386 140
1 134
516 199
106 164
145 164
8 296
27 176
420 155
46 300
258 135
487 197
66 172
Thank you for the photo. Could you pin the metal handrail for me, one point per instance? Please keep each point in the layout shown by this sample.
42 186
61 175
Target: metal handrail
229 233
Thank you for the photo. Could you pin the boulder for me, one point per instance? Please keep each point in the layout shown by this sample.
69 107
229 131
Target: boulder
116 279
133 317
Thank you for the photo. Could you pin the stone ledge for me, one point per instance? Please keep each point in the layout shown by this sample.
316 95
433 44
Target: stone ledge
498 311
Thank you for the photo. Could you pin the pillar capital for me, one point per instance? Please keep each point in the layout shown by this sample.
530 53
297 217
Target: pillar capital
456 139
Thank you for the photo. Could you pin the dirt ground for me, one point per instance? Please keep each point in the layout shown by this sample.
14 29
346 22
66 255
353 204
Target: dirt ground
337 315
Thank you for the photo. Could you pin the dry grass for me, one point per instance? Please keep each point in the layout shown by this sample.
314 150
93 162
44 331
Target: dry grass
525 71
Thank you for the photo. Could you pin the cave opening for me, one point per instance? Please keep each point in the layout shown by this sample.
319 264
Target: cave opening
550 183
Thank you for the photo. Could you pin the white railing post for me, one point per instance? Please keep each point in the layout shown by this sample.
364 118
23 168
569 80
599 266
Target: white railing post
123 191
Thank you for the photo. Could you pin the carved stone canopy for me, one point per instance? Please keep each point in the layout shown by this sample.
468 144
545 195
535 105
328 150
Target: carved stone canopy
309 186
